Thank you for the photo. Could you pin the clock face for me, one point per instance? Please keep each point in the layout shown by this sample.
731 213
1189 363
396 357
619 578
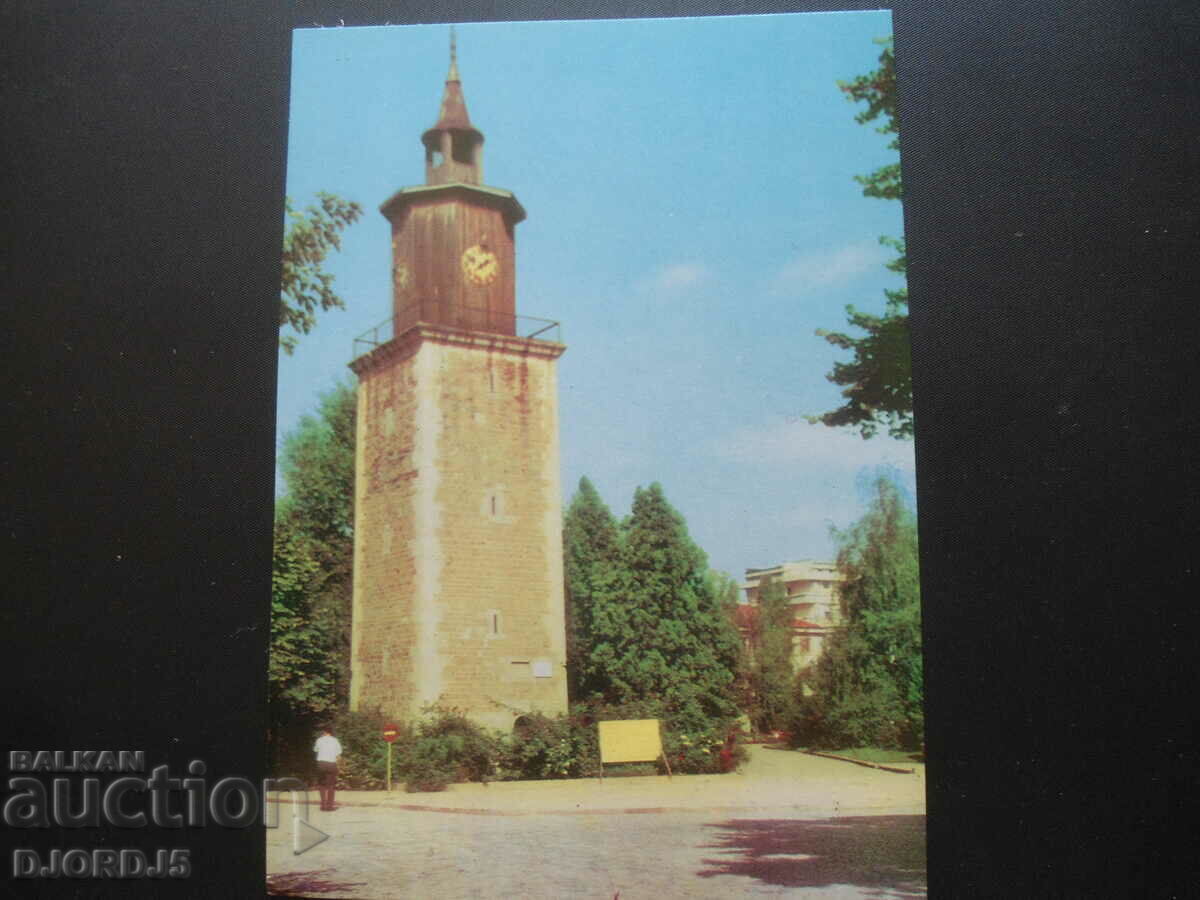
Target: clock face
401 275
480 265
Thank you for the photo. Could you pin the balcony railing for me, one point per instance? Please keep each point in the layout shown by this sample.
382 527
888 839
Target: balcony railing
465 317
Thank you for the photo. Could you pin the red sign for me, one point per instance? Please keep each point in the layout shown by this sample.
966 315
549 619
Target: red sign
390 733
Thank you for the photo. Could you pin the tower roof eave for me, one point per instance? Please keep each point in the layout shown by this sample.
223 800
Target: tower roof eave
430 137
506 201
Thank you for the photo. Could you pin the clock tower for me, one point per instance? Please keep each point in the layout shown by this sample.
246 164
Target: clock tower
458 588
452 237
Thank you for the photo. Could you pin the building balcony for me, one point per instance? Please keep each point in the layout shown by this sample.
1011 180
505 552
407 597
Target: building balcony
463 318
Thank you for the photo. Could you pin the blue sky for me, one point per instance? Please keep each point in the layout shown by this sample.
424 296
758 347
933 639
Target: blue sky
693 219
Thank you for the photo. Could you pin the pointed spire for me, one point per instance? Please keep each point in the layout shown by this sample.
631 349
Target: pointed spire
453 74
453 114
453 144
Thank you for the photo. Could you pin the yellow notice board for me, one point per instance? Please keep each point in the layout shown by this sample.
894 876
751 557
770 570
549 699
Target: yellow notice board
635 740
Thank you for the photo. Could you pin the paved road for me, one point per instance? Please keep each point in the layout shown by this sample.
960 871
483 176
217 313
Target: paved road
514 843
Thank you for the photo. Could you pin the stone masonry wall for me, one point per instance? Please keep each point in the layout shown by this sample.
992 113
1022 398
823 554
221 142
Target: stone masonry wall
499 595
458 554
384 632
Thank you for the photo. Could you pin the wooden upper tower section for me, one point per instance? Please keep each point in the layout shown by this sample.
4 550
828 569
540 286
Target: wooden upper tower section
453 252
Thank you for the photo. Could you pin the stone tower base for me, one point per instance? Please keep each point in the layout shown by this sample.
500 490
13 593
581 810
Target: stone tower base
458 583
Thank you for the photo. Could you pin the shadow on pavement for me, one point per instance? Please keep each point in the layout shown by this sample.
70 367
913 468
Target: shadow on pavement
308 884
882 852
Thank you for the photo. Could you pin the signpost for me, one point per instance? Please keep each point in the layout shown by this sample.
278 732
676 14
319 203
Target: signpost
635 740
390 733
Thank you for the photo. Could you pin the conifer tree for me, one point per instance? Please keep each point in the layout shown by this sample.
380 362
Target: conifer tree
659 632
591 564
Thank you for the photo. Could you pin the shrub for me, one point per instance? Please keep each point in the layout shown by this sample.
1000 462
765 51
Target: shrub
541 747
467 747
864 719
568 746
428 763
363 765
694 742
446 747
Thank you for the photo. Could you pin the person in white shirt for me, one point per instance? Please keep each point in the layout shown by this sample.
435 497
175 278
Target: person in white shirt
328 750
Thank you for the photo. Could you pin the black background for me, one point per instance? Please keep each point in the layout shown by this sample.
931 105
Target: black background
1050 156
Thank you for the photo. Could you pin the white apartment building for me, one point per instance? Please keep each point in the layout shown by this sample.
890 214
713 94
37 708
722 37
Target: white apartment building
812 592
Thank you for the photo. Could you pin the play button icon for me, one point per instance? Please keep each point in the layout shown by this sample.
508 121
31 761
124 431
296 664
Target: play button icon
304 836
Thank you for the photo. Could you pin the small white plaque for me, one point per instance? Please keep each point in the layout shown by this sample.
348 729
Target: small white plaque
542 669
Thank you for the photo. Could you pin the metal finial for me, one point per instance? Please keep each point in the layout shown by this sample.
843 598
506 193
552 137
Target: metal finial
453 76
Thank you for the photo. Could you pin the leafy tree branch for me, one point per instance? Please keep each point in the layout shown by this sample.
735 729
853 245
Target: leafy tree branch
877 382
306 287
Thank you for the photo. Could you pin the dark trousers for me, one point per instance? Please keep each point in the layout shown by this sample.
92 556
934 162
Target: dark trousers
327 784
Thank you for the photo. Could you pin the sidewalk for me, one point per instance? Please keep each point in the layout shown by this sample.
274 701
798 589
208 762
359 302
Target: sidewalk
788 824
772 779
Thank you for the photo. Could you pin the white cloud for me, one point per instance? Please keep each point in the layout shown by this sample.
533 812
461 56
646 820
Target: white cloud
676 278
795 442
826 268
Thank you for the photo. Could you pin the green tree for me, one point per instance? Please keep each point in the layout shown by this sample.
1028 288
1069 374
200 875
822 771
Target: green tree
728 592
725 589
658 632
877 382
302 671
317 463
305 287
877 89
591 564
771 672
314 545
868 685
